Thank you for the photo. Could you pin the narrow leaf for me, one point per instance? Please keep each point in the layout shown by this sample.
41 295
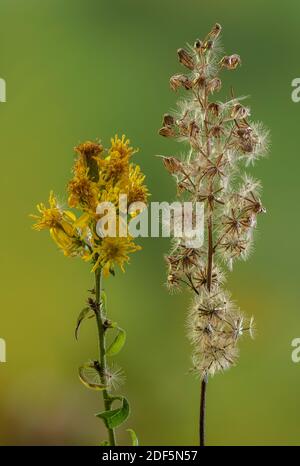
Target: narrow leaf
115 417
134 439
104 300
86 313
117 343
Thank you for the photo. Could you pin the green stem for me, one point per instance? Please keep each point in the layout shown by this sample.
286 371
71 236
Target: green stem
100 318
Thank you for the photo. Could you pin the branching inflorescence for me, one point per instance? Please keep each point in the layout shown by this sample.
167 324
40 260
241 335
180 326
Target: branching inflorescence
221 142
99 175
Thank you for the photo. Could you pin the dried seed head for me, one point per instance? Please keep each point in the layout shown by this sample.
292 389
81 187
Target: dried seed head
193 129
186 59
115 377
214 108
168 120
166 131
214 85
180 80
200 81
219 136
173 279
215 32
200 277
182 186
214 358
244 131
239 112
172 164
183 128
198 45
231 62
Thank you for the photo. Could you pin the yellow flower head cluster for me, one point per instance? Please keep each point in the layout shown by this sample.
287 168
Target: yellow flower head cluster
98 175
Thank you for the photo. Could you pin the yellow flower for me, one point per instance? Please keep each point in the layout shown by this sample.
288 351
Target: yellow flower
61 225
83 192
121 146
53 217
98 176
110 193
89 153
137 191
69 245
114 168
113 251
89 149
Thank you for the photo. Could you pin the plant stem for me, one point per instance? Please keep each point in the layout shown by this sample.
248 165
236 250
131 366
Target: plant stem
204 381
100 318
202 412
210 251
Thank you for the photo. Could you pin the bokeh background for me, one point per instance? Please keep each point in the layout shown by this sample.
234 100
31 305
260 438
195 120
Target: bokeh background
79 69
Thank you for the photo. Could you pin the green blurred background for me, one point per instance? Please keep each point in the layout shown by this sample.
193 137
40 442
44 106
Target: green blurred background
79 69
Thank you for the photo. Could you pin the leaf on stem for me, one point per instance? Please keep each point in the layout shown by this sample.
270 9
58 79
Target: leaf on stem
86 313
134 439
104 301
117 344
115 417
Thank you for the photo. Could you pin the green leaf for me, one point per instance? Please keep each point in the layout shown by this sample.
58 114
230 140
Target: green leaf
115 417
134 439
104 300
86 313
117 343
90 377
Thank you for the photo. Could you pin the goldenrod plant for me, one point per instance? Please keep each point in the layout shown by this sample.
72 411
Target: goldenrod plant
221 142
99 176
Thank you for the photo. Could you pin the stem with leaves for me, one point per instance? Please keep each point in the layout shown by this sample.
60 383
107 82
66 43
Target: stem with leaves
77 235
100 319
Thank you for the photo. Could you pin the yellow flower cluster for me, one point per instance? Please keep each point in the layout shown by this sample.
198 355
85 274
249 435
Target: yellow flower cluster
98 175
